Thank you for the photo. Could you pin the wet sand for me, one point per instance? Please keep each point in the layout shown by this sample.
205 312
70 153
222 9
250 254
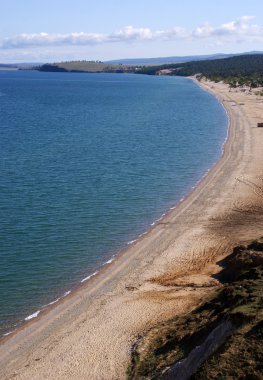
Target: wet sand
89 334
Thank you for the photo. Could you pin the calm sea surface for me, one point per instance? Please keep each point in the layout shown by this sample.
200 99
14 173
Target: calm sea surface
88 163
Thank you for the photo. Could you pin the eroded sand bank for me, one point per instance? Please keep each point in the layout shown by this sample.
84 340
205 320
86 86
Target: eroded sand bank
89 334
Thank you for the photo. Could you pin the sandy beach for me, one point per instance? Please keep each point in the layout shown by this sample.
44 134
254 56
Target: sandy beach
90 333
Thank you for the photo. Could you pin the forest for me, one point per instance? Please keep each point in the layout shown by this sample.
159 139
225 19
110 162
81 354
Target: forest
237 71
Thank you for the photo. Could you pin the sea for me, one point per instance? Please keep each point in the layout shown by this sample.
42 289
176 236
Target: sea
89 163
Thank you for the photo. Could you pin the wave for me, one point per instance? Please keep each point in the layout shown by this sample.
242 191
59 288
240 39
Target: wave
109 261
34 315
87 278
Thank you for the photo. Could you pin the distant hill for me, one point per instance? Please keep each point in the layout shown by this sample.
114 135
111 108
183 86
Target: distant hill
176 59
6 66
20 65
28 65
248 66
218 69
117 64
83 66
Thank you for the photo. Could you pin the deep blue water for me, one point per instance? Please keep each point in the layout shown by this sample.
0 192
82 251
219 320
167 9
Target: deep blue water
88 162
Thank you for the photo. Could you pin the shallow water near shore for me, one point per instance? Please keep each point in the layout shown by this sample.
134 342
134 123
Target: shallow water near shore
88 163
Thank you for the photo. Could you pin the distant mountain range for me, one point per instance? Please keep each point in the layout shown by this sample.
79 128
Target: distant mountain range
100 66
176 59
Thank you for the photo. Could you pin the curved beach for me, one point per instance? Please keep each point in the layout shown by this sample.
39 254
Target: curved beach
90 333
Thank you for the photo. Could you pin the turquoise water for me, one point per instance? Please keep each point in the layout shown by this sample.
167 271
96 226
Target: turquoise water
89 162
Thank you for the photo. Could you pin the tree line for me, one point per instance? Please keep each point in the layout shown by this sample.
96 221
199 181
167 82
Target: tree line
237 71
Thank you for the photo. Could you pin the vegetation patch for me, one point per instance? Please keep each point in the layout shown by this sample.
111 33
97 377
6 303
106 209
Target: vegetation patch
245 70
238 71
239 301
84 67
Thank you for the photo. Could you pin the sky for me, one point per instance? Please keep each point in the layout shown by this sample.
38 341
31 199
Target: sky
59 30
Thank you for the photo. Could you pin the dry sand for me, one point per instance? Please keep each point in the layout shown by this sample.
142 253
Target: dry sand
90 334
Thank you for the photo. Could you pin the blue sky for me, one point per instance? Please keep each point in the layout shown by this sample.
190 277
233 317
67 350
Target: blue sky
45 31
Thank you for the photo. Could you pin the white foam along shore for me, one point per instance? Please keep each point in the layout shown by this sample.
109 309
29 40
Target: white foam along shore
35 314
88 277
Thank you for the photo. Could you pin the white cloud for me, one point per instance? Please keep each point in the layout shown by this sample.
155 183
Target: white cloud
46 39
202 31
242 26
127 34
240 29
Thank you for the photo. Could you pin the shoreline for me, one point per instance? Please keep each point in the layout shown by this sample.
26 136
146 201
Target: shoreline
37 314
151 256
98 272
